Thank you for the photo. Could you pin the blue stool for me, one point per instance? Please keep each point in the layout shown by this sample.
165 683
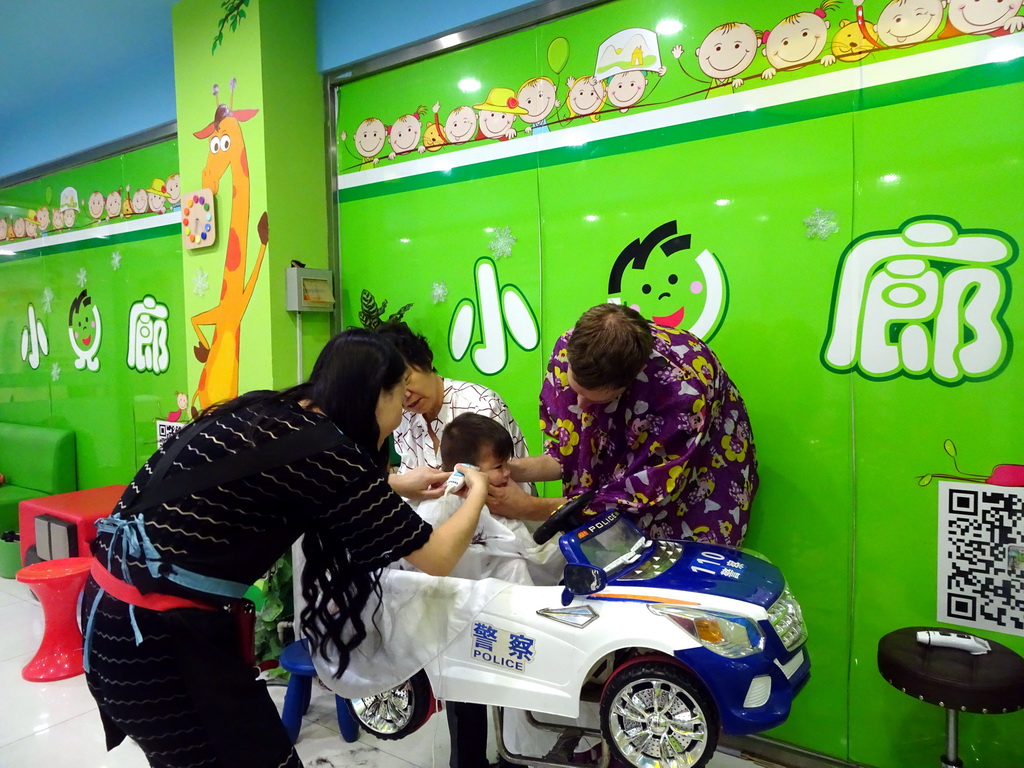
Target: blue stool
295 659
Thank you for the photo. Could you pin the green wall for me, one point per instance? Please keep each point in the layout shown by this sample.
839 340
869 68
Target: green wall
786 184
113 409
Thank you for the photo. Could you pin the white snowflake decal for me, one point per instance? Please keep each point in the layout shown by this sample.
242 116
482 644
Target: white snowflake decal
47 299
439 292
82 278
55 372
200 283
115 260
821 224
502 242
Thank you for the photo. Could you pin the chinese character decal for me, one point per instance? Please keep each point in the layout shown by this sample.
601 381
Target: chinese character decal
147 336
499 311
34 344
926 299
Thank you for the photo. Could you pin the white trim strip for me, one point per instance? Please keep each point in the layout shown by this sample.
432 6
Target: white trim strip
102 232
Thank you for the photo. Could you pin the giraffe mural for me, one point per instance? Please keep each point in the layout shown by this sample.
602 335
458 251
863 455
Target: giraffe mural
219 378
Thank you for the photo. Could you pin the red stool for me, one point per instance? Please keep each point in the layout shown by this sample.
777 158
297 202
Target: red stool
57 584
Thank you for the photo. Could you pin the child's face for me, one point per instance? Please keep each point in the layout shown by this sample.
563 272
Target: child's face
496 469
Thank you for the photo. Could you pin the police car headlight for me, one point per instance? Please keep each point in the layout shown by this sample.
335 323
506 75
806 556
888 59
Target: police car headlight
727 635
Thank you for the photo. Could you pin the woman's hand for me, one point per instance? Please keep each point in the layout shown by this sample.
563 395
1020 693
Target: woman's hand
476 481
419 484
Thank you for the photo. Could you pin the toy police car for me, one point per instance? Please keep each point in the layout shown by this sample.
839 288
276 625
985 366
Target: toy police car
676 641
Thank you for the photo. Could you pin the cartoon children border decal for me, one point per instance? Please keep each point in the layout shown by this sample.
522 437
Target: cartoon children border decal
219 379
626 66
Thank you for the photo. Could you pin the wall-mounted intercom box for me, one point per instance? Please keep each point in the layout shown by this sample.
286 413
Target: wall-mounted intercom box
309 290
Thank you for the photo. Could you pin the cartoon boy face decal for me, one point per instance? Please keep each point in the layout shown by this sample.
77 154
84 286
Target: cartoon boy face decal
96 205
174 189
405 134
84 331
3 229
908 22
494 125
460 126
19 227
140 201
114 204
157 203
69 218
626 88
537 97
586 95
659 276
796 41
43 217
980 17
369 137
727 50
30 228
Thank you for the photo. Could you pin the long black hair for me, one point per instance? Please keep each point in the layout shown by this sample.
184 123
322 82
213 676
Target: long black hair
347 380
355 367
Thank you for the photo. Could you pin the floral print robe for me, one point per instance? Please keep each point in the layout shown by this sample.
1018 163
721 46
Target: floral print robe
675 451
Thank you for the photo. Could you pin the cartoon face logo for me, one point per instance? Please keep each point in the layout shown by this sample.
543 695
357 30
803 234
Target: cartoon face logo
460 126
84 331
43 217
537 97
182 400
369 137
902 23
626 88
19 228
849 44
796 40
69 218
3 229
96 205
30 228
657 277
405 134
494 125
114 204
727 50
586 96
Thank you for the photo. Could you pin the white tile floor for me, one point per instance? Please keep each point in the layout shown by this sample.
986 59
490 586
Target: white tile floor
55 724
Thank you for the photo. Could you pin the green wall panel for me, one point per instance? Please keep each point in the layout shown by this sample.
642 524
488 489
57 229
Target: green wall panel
782 188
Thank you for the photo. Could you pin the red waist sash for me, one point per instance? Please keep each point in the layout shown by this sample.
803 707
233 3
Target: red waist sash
130 594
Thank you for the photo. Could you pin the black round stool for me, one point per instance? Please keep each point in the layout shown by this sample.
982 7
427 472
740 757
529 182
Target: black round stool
989 684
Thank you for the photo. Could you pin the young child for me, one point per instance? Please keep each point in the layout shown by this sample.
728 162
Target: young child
502 548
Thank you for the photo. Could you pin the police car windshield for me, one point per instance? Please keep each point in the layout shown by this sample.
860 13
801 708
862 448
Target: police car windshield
614 547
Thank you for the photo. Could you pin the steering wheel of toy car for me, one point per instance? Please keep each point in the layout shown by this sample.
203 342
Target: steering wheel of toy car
564 518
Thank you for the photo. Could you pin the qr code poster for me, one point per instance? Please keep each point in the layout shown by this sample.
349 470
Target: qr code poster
981 556
166 430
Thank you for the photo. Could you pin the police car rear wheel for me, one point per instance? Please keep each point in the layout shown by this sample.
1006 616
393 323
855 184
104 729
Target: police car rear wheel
396 713
652 714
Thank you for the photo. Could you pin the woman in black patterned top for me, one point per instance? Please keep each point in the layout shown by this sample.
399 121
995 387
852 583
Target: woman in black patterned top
210 513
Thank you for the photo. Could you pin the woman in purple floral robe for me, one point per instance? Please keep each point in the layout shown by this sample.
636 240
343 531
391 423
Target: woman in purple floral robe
669 444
